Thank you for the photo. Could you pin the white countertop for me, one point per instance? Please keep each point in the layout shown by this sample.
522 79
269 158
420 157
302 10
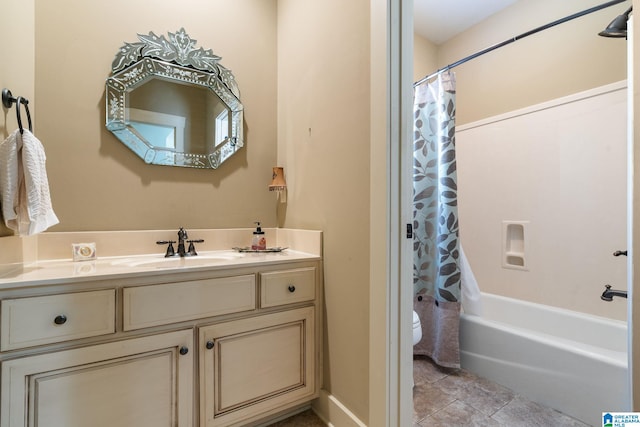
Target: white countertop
45 259
66 271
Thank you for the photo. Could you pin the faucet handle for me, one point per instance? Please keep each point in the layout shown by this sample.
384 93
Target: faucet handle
192 249
170 250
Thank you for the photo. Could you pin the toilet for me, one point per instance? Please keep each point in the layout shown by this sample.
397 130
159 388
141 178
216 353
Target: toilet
417 334
417 328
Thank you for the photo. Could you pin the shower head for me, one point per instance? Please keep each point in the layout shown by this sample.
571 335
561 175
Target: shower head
617 27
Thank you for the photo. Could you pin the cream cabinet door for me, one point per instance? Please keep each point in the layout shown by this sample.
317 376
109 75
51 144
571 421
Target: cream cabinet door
256 366
141 382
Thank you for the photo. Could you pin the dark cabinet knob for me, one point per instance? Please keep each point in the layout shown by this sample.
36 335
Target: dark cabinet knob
209 345
61 319
184 350
291 288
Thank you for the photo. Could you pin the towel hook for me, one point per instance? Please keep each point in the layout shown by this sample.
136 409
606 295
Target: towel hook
8 99
25 102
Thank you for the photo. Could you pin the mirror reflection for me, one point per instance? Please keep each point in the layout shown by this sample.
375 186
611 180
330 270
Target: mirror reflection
173 104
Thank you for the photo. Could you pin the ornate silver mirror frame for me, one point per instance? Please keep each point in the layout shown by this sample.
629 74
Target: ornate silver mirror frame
178 65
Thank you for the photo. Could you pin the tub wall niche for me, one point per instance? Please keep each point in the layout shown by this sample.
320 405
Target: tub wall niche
561 167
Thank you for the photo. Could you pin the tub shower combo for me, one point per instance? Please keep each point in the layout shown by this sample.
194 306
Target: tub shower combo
574 362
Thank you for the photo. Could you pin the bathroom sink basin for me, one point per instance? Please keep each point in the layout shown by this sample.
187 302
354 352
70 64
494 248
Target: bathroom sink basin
160 261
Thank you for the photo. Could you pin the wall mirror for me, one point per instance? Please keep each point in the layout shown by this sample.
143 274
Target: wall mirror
174 104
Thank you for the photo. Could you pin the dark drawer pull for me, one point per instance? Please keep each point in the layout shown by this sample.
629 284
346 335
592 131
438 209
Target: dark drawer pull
60 319
291 288
210 345
184 350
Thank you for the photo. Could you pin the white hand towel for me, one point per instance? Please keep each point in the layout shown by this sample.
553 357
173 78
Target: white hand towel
24 187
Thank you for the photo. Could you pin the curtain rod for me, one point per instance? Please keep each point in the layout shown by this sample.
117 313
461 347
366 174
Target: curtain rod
521 36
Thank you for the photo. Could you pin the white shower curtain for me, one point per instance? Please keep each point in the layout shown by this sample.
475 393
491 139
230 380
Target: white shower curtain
436 270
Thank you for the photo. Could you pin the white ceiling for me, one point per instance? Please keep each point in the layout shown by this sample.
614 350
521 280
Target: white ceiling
439 20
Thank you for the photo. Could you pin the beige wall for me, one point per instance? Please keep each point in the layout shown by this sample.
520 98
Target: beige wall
562 60
425 57
18 79
97 183
323 144
17 68
303 73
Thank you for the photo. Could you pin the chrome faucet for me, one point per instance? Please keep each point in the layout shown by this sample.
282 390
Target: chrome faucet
609 293
182 238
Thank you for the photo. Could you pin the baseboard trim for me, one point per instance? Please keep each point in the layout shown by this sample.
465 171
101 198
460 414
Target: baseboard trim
333 412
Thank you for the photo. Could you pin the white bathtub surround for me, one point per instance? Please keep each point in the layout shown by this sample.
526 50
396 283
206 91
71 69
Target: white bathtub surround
570 361
560 170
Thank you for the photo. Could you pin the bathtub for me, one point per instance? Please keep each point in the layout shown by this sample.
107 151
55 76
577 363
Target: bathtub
569 361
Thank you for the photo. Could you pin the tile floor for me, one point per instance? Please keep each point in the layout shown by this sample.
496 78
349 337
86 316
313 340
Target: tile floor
306 418
447 397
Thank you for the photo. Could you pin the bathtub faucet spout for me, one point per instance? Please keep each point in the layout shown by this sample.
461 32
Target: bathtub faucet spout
609 293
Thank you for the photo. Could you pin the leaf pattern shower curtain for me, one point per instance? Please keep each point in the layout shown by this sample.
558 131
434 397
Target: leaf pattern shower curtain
436 272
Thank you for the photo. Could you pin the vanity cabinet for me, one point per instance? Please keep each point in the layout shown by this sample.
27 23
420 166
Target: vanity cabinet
204 347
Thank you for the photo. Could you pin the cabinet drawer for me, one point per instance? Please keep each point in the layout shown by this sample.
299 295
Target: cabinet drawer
287 286
145 306
48 319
